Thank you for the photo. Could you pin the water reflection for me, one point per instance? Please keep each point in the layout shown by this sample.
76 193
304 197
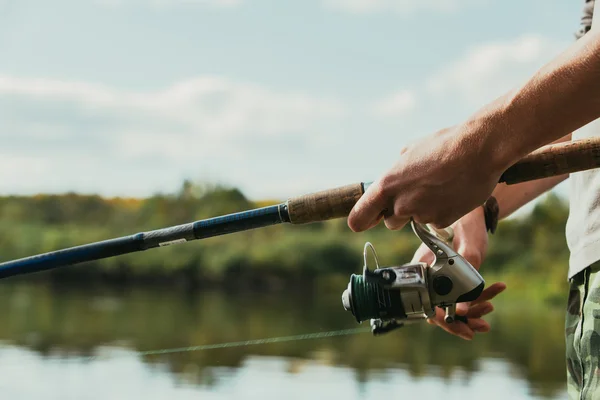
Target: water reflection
524 353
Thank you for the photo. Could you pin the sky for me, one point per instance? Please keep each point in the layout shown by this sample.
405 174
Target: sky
275 97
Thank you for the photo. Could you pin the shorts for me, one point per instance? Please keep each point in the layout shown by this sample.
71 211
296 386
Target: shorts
582 331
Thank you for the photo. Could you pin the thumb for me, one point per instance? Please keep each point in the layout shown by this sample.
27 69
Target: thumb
368 211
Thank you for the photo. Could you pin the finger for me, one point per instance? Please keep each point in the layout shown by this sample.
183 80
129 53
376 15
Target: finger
459 329
474 322
395 222
480 310
462 308
473 314
489 293
377 221
479 325
465 331
367 212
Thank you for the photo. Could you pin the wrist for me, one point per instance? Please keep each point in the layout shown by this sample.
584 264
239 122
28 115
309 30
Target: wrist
497 131
486 216
474 220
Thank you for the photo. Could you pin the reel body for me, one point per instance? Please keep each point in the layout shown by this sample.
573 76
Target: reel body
393 296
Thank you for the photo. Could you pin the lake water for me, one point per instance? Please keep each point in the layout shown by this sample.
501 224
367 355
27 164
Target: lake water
84 343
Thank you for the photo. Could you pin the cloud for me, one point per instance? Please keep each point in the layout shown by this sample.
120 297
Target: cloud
403 7
209 106
71 135
487 71
396 104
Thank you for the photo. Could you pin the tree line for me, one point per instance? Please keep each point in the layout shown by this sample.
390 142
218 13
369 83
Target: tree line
529 252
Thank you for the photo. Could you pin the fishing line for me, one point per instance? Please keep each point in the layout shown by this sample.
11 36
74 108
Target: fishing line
254 342
307 336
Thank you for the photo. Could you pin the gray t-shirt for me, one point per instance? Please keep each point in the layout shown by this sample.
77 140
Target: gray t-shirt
583 225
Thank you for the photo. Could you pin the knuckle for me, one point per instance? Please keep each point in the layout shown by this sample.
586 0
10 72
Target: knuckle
418 218
386 185
380 190
391 225
423 218
399 208
443 221
410 207
437 220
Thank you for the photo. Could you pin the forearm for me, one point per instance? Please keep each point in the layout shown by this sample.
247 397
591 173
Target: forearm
512 197
561 97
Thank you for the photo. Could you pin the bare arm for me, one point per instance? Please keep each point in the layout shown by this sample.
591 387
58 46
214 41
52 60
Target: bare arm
445 176
560 98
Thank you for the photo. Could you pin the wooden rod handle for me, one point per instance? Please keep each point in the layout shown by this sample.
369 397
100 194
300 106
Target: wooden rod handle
552 160
321 206
555 159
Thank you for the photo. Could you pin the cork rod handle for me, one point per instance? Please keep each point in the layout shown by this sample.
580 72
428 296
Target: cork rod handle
551 160
325 205
554 160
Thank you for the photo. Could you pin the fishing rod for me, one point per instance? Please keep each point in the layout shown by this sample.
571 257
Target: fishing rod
551 160
389 297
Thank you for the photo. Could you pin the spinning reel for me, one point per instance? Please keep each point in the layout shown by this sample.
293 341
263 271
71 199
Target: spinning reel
393 296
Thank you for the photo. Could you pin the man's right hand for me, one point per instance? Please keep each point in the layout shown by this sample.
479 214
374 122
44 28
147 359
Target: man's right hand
471 242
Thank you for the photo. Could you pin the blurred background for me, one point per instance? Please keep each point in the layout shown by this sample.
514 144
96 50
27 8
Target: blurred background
118 116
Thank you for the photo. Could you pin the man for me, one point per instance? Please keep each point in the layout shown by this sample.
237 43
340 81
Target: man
444 179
